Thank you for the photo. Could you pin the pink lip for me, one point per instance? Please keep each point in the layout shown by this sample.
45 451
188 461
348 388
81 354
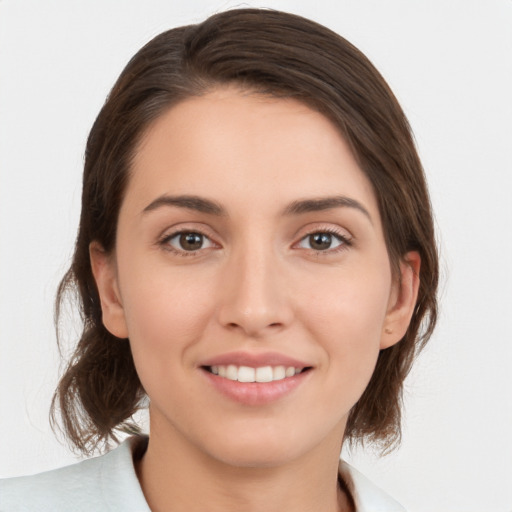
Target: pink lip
254 360
255 393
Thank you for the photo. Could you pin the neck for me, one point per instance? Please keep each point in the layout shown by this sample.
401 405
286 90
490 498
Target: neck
173 477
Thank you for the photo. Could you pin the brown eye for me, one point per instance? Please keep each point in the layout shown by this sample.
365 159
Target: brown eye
322 241
189 241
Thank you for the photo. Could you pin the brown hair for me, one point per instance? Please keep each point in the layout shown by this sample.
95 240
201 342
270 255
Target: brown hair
272 53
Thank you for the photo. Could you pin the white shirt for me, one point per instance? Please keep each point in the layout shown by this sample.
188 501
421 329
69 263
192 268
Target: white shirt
109 483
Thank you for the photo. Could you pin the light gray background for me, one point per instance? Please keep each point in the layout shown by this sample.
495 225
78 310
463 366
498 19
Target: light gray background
450 64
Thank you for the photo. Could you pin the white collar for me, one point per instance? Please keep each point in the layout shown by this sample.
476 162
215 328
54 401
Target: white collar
367 496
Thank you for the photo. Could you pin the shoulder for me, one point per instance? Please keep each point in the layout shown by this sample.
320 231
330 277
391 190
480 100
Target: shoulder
103 483
367 496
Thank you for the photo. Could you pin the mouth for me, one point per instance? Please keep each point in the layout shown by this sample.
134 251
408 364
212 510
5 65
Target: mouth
256 379
260 374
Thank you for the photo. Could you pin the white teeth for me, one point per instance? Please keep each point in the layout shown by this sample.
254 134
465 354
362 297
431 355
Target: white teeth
246 374
264 374
232 372
260 374
278 373
290 371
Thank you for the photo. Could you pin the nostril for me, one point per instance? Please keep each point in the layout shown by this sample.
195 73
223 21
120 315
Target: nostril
235 325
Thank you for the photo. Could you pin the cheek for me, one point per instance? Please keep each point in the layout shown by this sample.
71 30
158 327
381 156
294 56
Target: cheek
354 302
165 312
347 319
164 323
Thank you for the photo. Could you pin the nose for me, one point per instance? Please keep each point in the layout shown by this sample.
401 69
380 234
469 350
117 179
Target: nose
255 294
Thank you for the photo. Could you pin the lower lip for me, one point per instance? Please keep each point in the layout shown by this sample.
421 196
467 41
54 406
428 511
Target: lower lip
255 393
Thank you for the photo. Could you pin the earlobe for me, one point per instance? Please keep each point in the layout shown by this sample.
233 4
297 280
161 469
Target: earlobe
105 274
402 300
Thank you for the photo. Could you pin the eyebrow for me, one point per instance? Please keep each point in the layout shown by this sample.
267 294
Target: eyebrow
200 204
325 203
196 203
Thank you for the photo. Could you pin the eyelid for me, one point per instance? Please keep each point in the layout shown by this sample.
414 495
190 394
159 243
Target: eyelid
323 227
187 227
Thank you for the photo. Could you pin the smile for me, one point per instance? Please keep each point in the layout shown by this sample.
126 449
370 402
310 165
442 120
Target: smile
259 374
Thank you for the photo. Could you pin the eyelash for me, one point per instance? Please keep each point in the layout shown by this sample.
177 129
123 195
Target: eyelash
345 242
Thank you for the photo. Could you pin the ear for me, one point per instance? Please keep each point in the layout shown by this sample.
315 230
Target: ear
402 300
105 274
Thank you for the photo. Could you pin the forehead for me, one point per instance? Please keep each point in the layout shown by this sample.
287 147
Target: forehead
238 144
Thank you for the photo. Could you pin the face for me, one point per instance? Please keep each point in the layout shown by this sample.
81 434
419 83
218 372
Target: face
251 277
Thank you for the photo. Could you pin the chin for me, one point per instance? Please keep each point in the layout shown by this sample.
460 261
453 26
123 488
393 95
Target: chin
256 448
254 456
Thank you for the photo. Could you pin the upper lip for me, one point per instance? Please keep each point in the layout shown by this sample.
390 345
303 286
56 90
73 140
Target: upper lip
254 360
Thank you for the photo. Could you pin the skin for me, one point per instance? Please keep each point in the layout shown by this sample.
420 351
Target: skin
255 284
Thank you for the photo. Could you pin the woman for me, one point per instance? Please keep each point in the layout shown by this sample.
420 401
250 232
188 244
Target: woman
256 256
